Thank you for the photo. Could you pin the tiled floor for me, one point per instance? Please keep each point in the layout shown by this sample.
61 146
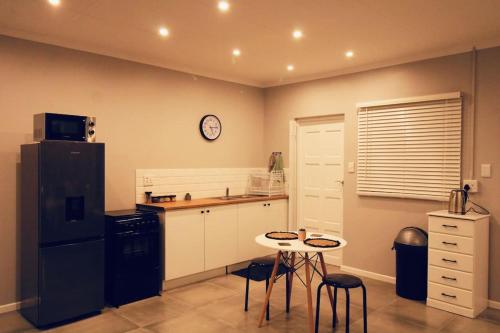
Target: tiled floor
217 306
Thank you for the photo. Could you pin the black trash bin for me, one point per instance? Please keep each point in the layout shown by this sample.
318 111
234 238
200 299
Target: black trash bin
411 263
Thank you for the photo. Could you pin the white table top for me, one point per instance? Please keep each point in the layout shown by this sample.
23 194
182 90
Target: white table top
297 245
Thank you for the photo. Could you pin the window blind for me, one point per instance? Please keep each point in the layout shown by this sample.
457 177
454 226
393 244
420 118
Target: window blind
410 148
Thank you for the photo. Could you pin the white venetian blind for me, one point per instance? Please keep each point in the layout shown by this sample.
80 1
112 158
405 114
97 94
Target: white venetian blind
410 147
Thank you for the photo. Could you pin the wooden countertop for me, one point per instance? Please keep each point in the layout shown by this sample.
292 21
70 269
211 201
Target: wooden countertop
205 202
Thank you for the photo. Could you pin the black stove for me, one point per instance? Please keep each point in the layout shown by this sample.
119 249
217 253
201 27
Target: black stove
133 269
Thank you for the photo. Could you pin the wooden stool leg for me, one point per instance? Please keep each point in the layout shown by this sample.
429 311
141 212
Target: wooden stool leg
309 294
247 285
271 283
325 273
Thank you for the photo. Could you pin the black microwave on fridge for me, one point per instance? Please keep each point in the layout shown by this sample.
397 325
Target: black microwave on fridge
54 126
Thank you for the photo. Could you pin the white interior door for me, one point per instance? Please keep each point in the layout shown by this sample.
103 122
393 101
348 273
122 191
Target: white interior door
320 179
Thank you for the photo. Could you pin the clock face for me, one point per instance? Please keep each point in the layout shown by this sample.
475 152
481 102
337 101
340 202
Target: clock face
210 127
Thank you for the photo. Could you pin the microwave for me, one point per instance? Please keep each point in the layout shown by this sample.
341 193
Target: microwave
54 126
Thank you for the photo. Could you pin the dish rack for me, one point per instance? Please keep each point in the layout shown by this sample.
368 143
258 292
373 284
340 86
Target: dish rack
271 183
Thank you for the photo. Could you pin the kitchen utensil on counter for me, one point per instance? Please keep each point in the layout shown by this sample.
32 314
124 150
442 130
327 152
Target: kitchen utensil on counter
187 196
163 198
457 202
148 196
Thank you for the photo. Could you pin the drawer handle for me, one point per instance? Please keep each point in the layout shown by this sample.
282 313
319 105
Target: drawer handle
448 260
448 278
447 295
449 226
448 243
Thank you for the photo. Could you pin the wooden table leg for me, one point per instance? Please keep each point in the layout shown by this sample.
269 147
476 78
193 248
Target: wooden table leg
309 294
324 271
290 279
269 290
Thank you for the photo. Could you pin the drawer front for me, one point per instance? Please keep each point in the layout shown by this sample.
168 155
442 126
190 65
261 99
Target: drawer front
450 295
451 243
451 226
451 260
450 277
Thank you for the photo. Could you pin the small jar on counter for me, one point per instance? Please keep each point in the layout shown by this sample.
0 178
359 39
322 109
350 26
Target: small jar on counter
302 234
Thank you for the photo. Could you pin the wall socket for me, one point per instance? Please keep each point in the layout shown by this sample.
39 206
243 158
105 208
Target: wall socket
147 181
472 184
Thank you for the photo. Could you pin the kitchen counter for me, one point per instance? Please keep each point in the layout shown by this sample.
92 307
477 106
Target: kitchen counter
205 202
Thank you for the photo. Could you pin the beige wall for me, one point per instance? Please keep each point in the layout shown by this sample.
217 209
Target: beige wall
371 223
148 117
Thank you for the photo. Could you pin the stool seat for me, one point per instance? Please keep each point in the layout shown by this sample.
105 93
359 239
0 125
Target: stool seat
342 281
264 261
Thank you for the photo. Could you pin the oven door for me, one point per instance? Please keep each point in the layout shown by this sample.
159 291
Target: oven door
65 127
133 268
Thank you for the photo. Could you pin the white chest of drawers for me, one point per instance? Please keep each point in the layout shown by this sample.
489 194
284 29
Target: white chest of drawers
458 262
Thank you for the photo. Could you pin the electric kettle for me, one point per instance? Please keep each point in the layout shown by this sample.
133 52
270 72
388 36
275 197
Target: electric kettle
458 199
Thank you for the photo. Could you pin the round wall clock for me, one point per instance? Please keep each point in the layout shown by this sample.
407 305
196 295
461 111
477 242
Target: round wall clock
210 127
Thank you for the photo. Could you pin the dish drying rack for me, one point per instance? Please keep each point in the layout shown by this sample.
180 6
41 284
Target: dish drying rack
271 183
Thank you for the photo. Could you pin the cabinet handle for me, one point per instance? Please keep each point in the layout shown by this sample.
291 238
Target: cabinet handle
448 243
202 211
449 226
447 295
448 260
268 204
448 278
208 211
264 205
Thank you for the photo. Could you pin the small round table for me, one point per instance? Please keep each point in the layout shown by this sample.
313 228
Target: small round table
287 250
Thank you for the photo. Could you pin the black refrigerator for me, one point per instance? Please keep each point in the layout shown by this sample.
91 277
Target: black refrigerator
62 231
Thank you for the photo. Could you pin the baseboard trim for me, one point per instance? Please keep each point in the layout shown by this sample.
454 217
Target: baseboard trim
368 274
10 307
494 304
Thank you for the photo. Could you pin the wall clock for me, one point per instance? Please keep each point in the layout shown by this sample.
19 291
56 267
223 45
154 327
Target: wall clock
210 127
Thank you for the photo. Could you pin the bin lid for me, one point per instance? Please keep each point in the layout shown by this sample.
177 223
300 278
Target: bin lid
412 236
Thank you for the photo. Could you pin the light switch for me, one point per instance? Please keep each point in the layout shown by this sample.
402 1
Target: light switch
486 170
350 167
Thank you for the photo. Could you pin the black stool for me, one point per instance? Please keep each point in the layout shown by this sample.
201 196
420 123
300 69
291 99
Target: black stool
261 269
346 282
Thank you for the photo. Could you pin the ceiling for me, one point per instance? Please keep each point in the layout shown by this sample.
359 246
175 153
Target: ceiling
202 38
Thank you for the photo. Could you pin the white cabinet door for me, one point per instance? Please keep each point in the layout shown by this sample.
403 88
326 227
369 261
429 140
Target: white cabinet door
184 243
221 236
257 218
276 215
250 224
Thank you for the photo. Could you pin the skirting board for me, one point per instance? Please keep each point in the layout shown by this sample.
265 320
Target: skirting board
494 304
368 274
10 307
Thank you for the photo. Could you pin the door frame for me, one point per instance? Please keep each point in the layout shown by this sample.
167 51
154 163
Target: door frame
294 128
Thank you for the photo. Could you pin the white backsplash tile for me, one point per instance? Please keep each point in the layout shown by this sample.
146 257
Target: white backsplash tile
201 183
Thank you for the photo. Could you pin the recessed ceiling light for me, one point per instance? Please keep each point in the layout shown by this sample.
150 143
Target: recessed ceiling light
349 54
297 34
223 6
236 52
163 32
290 68
55 3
